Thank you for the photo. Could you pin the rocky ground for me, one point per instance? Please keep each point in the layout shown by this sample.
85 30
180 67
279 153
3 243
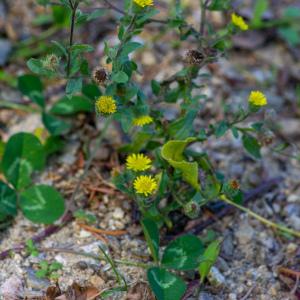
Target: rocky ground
255 263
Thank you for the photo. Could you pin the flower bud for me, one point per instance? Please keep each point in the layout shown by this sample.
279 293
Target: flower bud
51 62
191 209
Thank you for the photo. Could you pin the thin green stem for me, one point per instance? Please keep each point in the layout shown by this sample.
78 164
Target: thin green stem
260 218
73 19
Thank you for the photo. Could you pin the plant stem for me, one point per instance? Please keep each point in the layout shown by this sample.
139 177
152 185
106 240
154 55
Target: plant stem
260 218
74 9
203 16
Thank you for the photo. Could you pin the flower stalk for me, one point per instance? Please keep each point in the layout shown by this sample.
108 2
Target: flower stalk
260 218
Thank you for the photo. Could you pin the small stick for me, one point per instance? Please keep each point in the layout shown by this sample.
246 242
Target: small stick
290 272
101 231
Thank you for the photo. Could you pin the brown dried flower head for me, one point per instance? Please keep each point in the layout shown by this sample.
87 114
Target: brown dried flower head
234 184
194 57
100 75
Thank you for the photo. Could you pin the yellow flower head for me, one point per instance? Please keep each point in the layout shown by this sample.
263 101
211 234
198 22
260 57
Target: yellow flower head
257 98
142 120
143 3
145 185
239 22
106 105
138 162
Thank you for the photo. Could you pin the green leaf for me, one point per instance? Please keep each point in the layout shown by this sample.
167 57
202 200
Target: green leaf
91 91
155 85
219 5
8 200
37 67
37 98
184 253
129 47
69 106
32 87
23 154
260 7
172 152
54 125
61 48
81 48
221 129
61 15
29 83
152 237
53 144
182 128
165 285
120 77
251 145
42 204
74 86
208 259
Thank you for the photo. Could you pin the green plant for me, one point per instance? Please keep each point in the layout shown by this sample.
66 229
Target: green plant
48 270
31 248
162 168
23 155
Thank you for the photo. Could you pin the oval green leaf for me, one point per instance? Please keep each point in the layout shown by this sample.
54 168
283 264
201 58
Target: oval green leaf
184 253
166 286
23 154
42 204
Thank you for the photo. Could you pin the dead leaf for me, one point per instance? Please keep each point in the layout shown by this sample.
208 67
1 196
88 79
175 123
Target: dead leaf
76 292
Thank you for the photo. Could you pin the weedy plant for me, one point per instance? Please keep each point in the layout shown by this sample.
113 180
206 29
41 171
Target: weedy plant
161 171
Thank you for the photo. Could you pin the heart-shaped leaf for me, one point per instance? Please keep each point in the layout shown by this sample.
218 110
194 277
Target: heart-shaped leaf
184 253
172 152
42 204
165 285
8 200
23 154
152 237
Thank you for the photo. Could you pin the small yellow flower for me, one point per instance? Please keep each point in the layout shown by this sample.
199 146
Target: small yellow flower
142 120
257 98
106 105
143 3
138 162
145 185
239 22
